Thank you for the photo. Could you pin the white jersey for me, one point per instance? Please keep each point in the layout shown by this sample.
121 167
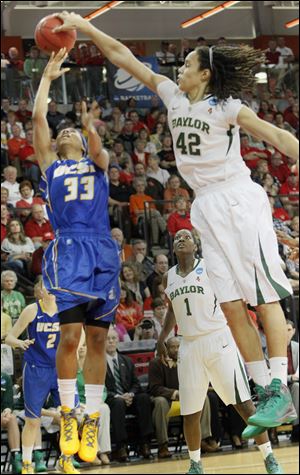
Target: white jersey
205 135
195 306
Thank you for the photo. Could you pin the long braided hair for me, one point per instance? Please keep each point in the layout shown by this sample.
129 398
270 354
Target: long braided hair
232 68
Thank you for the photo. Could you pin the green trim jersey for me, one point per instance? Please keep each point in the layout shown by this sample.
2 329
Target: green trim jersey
205 136
195 305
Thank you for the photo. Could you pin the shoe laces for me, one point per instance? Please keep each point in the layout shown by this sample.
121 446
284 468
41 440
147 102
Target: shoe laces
90 431
68 419
272 464
261 396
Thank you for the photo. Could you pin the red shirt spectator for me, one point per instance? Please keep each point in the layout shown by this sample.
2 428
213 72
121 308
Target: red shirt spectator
37 256
129 313
137 124
139 155
252 155
5 217
272 56
37 226
179 219
282 214
14 144
27 152
278 168
22 114
291 188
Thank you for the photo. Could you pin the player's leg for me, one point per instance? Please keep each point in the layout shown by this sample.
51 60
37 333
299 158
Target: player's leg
10 423
29 434
94 371
66 365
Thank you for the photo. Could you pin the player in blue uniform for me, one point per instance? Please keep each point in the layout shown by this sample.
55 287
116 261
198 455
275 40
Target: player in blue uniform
81 266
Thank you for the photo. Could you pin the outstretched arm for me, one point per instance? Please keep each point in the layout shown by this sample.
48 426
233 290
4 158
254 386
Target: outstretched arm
112 49
282 140
41 133
96 152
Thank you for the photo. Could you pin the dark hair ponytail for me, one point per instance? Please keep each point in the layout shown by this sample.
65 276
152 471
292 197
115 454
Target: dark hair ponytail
232 68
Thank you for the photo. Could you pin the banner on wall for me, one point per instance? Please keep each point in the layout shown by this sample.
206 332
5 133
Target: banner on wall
122 86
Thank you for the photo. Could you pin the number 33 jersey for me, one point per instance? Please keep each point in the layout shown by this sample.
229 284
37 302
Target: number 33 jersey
205 136
195 306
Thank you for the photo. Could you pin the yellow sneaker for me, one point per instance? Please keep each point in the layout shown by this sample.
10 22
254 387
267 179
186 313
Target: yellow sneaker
65 465
68 442
27 467
89 439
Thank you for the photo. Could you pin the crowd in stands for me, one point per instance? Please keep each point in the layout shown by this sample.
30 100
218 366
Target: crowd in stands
149 202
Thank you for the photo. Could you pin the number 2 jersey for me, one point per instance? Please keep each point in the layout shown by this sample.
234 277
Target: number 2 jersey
205 136
195 306
44 329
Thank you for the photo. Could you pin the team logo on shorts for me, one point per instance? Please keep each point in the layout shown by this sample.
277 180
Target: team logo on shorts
199 271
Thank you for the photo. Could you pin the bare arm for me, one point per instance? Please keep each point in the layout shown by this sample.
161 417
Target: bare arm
96 152
41 134
282 140
169 324
26 317
112 49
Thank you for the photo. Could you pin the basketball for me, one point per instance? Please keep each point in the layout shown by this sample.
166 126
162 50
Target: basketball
49 41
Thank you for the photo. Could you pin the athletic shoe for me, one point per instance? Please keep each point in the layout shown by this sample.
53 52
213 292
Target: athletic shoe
39 462
75 463
195 467
272 466
252 431
65 465
68 442
277 410
27 467
16 462
89 439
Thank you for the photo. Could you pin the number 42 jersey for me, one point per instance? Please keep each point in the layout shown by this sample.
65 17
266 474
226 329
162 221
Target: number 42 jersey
195 306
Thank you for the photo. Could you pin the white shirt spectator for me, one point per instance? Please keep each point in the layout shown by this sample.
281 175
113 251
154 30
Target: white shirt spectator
12 248
161 175
14 193
285 52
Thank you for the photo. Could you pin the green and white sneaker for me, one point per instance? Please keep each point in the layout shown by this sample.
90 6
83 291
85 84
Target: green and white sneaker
262 397
39 462
252 431
272 466
16 462
195 467
277 410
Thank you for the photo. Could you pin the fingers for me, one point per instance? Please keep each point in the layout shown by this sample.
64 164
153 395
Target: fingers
83 107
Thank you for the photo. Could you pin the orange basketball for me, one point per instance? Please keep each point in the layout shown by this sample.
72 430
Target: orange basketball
48 41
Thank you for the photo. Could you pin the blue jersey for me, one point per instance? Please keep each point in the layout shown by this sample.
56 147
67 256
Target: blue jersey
77 196
45 331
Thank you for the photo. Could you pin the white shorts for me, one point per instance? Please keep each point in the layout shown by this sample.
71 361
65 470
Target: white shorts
239 243
214 359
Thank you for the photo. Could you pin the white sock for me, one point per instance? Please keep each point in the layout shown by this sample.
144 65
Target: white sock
66 388
27 453
259 372
93 396
195 455
37 447
266 449
279 368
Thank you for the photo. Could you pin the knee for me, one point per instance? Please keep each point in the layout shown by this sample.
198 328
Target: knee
69 342
161 402
32 423
96 339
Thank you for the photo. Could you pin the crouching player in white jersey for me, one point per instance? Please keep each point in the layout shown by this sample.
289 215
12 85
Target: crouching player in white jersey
39 373
208 352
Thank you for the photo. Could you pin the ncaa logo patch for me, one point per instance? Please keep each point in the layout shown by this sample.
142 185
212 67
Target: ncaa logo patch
212 101
199 271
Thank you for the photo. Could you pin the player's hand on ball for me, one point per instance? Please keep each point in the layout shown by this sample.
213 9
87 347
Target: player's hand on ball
53 69
72 21
162 352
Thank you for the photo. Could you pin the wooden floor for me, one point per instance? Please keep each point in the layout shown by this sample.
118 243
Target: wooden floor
240 462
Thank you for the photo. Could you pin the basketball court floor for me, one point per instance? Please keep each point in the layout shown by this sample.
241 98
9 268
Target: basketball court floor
240 462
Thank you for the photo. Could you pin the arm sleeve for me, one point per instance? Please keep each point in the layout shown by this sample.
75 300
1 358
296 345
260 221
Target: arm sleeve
166 90
232 108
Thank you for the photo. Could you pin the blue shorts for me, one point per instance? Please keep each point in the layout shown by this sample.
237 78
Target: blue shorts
38 383
83 267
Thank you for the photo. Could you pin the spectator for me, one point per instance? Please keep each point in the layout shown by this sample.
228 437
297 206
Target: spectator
117 121
166 155
293 375
272 54
161 266
180 218
9 422
129 312
128 136
278 213
265 108
145 136
124 395
282 124
142 263
54 117
28 160
14 144
294 226
286 54
270 184
291 188
4 146
6 323
139 154
4 221
27 200
17 247
12 120
125 249
22 114
261 169
137 123
119 197
164 56
5 107
10 183
4 200
34 67
251 154
136 205
37 225
172 191
121 155
151 118
155 171
145 330
137 288
278 168
37 256
159 314
221 41
201 41
75 114
13 301
185 50
14 72
157 136
292 117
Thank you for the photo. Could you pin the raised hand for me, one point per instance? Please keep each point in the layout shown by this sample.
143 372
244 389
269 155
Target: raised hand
87 118
53 69
72 21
